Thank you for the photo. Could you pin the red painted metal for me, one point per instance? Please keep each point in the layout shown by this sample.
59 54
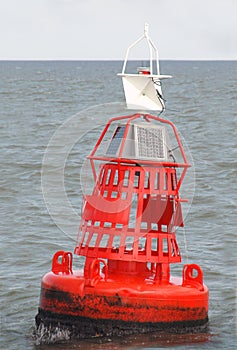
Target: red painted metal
128 238
126 297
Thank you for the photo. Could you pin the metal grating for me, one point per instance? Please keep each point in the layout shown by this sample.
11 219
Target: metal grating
116 140
151 143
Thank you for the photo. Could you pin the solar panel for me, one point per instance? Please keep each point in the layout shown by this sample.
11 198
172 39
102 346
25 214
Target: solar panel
116 140
142 142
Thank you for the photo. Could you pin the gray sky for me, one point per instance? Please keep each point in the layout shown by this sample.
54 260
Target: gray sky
103 29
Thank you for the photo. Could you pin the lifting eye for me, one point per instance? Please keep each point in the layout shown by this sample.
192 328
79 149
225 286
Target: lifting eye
194 273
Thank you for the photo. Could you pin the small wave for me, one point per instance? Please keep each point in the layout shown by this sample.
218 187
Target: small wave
50 335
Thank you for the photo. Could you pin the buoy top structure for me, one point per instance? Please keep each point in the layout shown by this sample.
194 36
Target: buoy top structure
134 208
127 234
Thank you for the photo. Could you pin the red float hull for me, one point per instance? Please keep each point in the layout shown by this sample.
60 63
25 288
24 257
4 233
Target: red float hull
120 305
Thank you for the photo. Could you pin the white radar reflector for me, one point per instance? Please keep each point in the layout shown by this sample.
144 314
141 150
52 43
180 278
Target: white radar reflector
143 89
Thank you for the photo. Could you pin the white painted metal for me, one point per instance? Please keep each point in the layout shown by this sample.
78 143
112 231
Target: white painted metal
143 90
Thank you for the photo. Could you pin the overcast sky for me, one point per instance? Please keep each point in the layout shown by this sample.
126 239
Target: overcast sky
103 29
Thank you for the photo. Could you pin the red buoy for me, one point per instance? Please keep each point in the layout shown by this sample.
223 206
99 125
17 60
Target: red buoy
128 238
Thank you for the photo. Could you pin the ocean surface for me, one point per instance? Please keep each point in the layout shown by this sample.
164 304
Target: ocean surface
61 104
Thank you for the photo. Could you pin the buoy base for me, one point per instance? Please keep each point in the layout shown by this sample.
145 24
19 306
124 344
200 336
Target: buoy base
124 305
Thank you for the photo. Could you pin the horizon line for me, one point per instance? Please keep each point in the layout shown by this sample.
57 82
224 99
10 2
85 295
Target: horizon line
108 59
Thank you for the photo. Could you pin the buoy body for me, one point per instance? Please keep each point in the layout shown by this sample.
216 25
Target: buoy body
121 305
128 238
